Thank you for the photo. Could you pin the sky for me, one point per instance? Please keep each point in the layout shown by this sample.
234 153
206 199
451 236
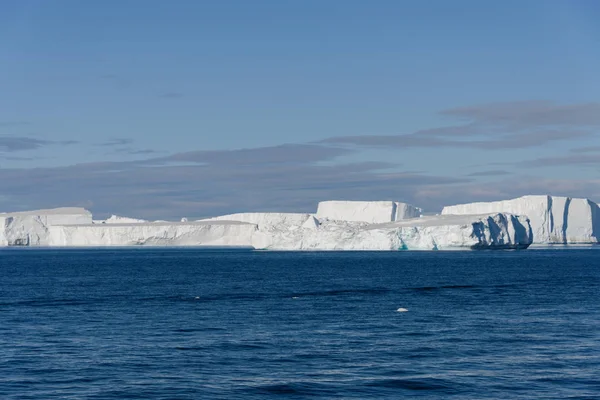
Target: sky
159 109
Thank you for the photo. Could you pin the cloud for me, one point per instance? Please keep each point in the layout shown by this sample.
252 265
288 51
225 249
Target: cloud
279 178
294 177
490 173
19 143
116 142
530 114
11 124
572 159
279 155
588 149
9 144
123 146
132 151
496 126
14 158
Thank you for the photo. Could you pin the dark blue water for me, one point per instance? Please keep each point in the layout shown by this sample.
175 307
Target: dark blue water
193 324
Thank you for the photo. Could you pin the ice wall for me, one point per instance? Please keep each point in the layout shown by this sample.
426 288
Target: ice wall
271 231
553 219
495 231
218 233
266 220
31 228
366 211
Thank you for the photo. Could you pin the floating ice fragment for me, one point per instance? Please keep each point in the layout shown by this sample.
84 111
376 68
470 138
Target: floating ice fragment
402 309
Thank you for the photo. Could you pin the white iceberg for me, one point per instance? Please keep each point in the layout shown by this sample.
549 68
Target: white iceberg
221 233
373 212
277 231
495 231
116 219
31 228
266 220
553 219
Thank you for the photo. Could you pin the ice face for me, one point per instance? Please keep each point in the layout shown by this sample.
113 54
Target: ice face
221 233
366 211
426 233
266 220
553 219
30 228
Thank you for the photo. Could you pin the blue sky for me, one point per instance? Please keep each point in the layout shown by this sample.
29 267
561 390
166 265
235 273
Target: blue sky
162 109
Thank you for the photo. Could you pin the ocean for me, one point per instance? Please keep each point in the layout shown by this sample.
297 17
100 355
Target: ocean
152 323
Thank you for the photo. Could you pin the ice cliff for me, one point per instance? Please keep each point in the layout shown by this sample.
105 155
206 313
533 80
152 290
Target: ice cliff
381 226
222 233
31 228
495 231
553 219
336 225
366 211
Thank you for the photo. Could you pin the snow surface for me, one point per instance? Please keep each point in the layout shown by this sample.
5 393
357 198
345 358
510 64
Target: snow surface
266 220
116 219
553 219
366 211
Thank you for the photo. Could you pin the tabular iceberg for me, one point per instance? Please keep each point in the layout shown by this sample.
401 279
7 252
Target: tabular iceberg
366 211
116 219
222 233
31 228
495 231
553 219
357 226
265 220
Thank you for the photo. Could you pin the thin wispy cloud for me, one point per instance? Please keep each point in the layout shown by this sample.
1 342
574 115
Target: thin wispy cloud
11 124
490 173
116 142
279 178
584 159
9 144
495 127
588 149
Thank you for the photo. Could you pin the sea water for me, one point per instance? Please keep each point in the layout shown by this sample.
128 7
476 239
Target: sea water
199 324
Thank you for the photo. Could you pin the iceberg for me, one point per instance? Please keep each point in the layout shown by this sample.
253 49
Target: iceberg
116 219
494 231
554 220
366 211
222 233
31 228
265 220
357 226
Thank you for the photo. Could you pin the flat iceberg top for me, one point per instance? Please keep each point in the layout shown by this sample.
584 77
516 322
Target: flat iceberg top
359 202
437 220
532 200
366 211
50 211
159 223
